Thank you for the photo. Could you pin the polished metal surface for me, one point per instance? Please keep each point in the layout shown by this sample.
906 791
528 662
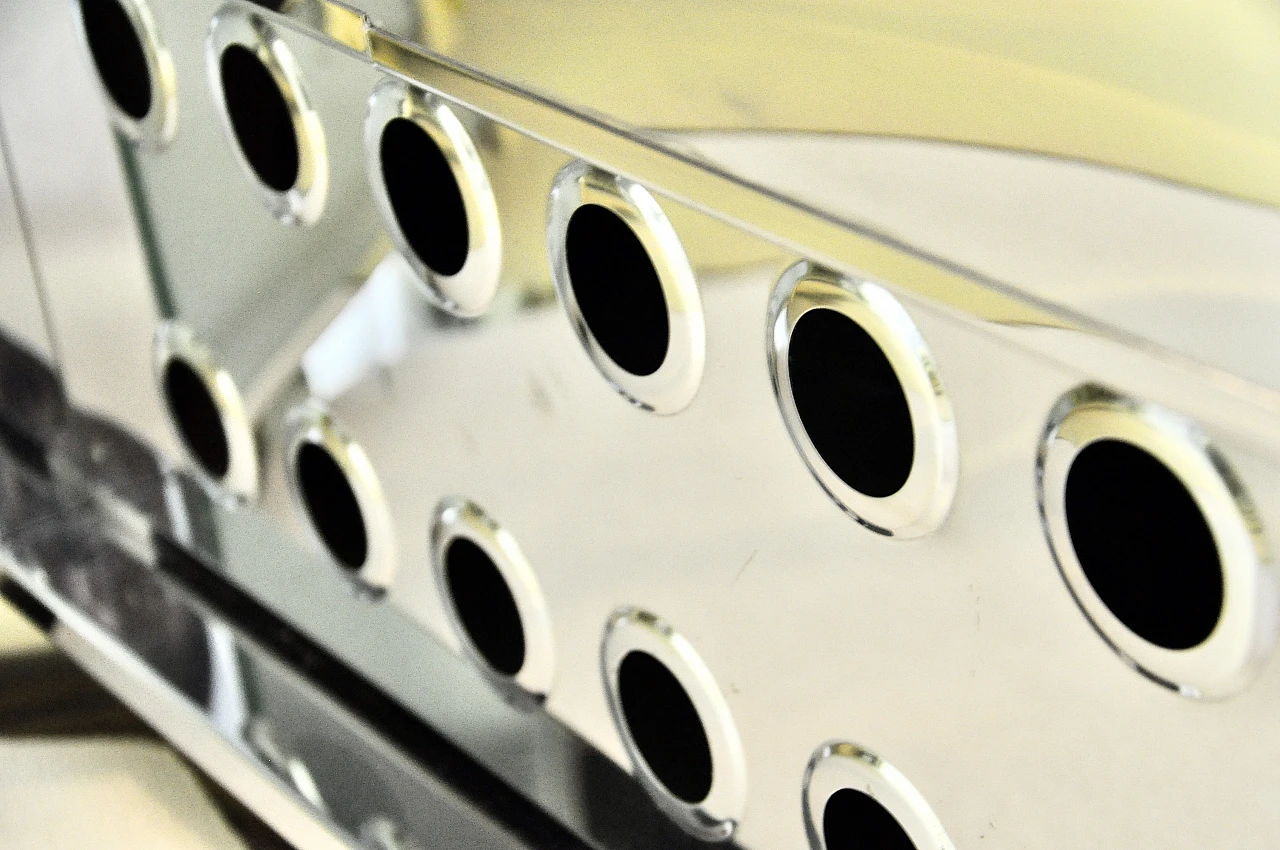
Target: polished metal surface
953 650
24 314
319 775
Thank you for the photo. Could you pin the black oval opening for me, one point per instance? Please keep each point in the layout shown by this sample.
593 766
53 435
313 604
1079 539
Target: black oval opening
853 820
851 403
331 504
118 55
260 118
617 289
425 196
1144 545
196 414
485 605
665 726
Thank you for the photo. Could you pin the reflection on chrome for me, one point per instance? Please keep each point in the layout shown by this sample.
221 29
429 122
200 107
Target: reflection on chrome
861 177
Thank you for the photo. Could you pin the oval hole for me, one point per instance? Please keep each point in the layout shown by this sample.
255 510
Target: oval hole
260 118
617 289
119 56
331 505
1144 544
485 606
852 820
851 403
424 196
198 418
665 726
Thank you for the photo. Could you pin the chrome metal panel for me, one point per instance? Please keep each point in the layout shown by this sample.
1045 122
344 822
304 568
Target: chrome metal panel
959 657
319 776
88 252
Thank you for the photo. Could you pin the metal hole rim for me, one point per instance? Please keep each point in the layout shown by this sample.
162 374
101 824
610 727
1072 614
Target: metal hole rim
311 423
1245 634
158 128
837 765
923 502
457 518
303 203
716 817
673 386
175 341
470 291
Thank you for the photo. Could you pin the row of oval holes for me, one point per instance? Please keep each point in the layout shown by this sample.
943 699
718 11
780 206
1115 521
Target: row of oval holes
1119 497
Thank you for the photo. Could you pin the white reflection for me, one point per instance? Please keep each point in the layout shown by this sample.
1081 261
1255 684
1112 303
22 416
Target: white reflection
371 333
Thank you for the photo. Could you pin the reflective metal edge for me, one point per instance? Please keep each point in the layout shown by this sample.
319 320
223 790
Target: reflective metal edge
261 707
1128 362
172 715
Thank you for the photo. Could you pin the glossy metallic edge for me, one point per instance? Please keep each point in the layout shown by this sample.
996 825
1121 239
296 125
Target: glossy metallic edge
175 341
1247 628
311 423
459 518
303 203
672 387
716 817
921 505
194 733
837 765
1247 409
468 292
158 128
